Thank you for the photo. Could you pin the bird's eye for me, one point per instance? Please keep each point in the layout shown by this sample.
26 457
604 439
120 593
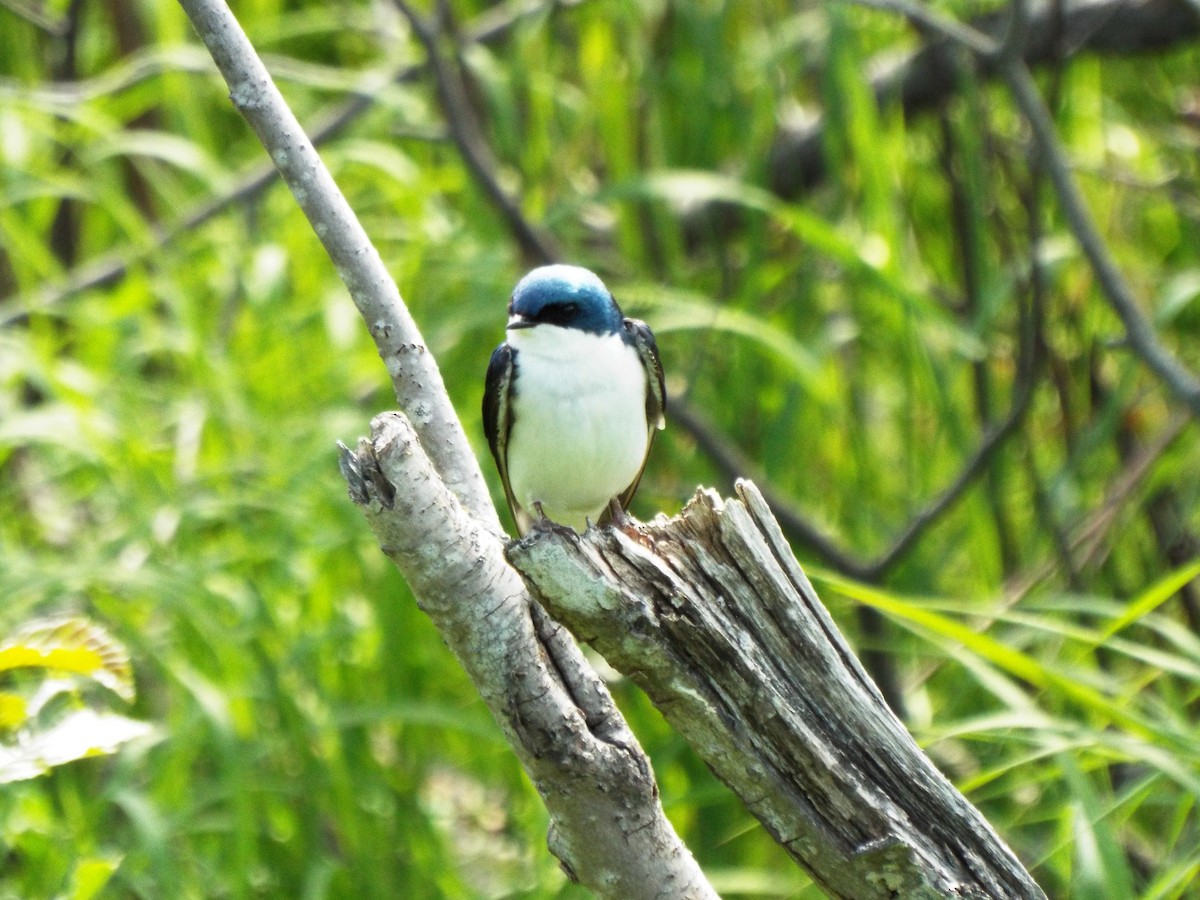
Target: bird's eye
558 313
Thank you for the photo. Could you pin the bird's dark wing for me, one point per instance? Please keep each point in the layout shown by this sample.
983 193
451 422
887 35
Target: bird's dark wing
656 392
497 421
656 388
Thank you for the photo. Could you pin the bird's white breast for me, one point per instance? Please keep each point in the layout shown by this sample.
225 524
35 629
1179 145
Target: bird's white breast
579 433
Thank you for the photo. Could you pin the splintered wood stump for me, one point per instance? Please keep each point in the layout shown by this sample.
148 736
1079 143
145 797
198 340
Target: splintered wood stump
711 615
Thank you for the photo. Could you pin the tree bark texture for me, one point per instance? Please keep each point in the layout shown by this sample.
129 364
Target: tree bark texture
712 616
607 825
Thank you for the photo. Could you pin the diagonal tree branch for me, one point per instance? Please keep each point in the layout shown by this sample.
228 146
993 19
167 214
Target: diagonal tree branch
1139 331
421 490
415 376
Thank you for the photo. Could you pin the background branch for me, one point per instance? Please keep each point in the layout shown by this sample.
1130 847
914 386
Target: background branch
1139 331
536 246
925 78
920 81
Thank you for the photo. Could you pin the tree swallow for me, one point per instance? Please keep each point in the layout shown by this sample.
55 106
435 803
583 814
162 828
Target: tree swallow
572 402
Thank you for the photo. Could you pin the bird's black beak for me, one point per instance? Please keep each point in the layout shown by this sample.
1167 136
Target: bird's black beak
515 322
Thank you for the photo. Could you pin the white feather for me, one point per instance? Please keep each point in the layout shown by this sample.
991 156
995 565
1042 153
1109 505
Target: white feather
579 433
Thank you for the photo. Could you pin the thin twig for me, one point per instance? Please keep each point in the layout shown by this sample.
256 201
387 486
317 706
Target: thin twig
1024 382
1138 330
1087 537
974 40
1015 31
923 79
734 464
37 15
968 241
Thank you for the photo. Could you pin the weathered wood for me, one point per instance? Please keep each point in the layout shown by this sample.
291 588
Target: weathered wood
712 616
607 826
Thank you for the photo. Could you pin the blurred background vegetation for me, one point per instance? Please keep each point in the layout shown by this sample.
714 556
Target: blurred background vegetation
859 305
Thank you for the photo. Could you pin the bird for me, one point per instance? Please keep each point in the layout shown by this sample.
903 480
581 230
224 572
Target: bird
572 401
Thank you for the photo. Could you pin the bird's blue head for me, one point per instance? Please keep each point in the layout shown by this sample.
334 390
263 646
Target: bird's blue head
568 296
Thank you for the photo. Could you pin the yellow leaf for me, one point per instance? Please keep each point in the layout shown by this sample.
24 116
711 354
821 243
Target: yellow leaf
12 712
70 645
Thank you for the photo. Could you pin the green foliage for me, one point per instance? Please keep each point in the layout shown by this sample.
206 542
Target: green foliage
167 463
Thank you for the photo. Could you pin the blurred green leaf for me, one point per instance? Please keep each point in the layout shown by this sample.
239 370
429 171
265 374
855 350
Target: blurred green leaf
1101 870
90 877
1152 598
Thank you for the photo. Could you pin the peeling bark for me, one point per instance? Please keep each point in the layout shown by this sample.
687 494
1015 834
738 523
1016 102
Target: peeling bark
712 616
607 826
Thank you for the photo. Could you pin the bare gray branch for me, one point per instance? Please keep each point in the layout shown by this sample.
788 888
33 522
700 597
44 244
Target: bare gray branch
423 493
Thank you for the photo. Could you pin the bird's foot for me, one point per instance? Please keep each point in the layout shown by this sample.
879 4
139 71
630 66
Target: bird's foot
621 520
544 523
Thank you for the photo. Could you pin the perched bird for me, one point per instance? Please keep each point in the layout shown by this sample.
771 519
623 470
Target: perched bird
572 402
